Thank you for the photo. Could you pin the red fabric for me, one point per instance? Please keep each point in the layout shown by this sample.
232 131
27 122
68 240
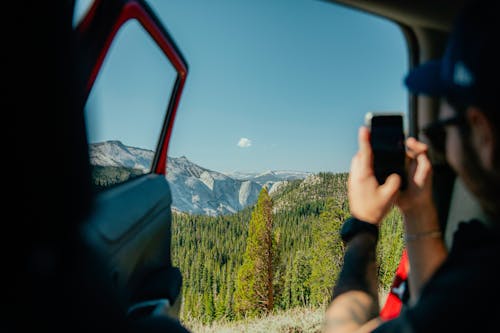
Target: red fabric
393 304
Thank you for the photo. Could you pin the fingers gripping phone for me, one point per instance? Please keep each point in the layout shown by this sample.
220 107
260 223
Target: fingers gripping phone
387 140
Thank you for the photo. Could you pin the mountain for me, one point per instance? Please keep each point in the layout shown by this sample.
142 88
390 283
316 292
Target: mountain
314 188
268 176
272 179
195 190
116 154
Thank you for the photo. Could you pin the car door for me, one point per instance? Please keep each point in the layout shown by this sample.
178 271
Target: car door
131 220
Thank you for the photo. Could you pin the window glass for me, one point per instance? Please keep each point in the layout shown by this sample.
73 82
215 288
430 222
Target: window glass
127 106
276 93
82 7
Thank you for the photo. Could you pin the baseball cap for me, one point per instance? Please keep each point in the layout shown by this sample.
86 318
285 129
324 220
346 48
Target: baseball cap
468 72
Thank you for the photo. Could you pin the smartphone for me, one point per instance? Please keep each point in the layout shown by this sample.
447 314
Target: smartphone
387 140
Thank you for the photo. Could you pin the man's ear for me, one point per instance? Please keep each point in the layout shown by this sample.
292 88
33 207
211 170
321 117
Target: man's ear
483 136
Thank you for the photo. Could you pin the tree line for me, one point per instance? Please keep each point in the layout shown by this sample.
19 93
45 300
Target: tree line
283 252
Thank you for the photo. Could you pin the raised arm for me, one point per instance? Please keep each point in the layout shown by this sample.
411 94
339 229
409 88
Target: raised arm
354 306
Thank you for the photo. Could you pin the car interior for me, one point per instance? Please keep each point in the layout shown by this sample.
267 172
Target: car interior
72 232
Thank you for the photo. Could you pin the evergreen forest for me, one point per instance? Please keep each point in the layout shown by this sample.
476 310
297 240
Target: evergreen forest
284 252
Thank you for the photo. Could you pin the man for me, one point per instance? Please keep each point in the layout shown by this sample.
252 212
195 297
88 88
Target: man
450 292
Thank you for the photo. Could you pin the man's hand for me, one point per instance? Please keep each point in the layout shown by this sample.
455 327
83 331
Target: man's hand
418 196
426 254
368 200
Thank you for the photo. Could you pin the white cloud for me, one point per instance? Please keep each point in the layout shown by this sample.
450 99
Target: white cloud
244 143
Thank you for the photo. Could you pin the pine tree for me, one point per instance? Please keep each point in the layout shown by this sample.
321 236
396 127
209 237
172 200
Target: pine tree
220 305
389 247
209 307
254 288
327 252
229 314
286 293
300 291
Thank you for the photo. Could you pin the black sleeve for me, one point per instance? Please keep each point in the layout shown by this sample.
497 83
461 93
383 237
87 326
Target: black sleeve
462 296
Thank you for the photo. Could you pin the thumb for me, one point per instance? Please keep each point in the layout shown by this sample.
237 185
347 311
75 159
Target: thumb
391 186
364 140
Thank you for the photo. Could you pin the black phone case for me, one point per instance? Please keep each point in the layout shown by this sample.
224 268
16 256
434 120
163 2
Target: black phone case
388 143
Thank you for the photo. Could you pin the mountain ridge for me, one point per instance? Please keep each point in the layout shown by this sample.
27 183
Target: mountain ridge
195 189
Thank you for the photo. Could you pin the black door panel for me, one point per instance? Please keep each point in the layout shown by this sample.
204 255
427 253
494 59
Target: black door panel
131 228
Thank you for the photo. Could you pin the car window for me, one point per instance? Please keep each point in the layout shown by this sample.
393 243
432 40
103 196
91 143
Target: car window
126 107
260 154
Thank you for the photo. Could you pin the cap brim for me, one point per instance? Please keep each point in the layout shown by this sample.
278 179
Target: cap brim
426 79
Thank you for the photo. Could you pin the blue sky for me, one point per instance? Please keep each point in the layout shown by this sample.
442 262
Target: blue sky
273 84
